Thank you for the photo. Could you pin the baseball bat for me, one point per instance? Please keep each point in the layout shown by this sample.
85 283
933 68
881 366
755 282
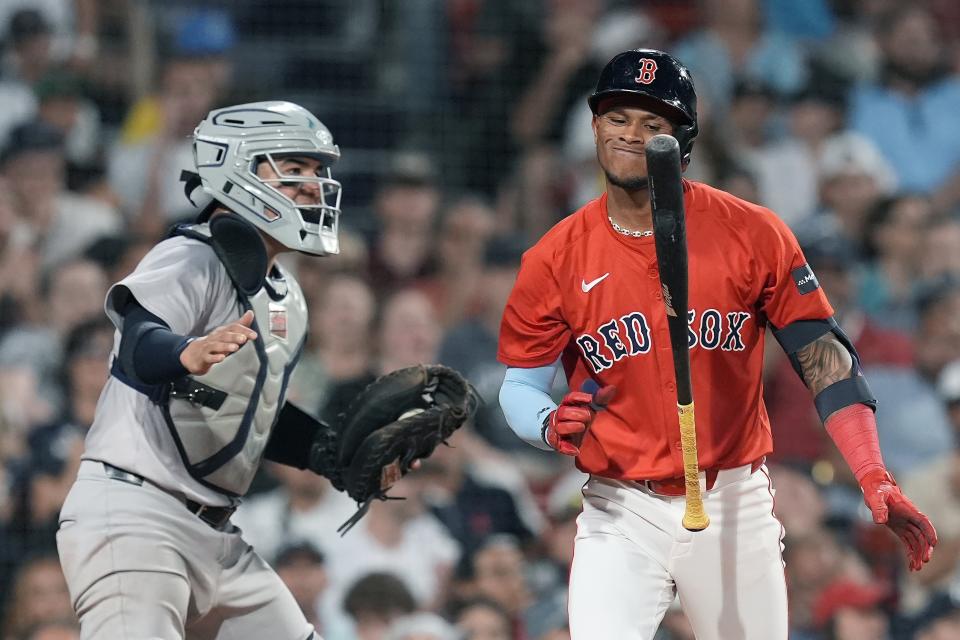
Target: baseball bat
669 232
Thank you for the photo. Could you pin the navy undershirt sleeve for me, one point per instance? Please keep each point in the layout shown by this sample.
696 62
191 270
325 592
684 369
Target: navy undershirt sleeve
149 350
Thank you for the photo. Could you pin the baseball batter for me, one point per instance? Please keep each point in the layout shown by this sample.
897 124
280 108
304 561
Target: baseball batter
588 298
209 327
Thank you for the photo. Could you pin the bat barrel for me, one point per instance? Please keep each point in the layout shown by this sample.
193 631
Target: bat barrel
669 227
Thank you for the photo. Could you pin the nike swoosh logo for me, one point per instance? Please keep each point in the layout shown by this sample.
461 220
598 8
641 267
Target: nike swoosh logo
586 286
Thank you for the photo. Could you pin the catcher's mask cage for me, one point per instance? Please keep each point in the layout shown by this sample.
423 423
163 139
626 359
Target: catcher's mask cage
231 143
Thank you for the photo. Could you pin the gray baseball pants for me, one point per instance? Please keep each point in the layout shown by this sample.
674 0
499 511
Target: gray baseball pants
140 566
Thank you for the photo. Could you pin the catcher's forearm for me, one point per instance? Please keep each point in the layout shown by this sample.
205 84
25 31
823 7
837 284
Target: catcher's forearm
149 351
293 437
525 401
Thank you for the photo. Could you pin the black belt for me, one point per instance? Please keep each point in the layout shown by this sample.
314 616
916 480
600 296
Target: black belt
216 517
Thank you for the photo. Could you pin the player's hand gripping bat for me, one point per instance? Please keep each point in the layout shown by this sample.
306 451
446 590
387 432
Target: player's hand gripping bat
669 231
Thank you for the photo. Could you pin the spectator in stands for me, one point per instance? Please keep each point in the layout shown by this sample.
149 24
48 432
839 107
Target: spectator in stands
787 168
481 619
86 368
470 508
908 108
406 206
303 508
457 287
207 34
373 603
497 570
30 37
854 176
40 488
53 449
470 347
353 259
799 506
813 561
940 620
402 537
63 224
61 103
301 567
491 54
119 254
144 167
749 119
422 626
892 238
32 353
939 252
408 333
38 594
848 610
733 43
567 69
27 36
19 265
911 421
339 344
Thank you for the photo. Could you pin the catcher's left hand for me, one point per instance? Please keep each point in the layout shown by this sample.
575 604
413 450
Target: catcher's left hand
890 507
398 419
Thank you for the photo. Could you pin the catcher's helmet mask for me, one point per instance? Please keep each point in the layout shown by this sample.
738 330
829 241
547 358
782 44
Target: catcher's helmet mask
655 81
231 143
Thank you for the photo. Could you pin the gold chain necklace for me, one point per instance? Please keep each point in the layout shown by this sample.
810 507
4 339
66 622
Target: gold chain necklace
628 232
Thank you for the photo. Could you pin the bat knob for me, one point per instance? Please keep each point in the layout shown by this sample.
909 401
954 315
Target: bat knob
662 143
590 386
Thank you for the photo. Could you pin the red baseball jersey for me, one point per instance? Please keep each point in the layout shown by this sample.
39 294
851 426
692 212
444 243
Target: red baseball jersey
592 296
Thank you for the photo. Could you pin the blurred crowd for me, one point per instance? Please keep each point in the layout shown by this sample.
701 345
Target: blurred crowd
465 135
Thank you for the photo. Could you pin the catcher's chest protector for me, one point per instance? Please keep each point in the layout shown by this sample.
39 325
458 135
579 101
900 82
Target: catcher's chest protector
221 436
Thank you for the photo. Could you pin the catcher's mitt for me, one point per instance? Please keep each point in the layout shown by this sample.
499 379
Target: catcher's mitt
399 418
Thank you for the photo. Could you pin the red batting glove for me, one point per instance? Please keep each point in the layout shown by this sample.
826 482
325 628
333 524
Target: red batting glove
566 425
890 507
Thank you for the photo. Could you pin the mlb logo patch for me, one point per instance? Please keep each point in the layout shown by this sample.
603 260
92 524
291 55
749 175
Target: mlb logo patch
804 279
278 321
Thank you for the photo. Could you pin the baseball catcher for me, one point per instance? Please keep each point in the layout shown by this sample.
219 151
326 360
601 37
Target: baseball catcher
209 327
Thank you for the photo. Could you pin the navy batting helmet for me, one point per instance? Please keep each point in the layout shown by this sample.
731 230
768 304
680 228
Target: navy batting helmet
657 81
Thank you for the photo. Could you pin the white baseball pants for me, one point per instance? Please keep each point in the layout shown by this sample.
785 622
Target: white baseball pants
140 566
633 556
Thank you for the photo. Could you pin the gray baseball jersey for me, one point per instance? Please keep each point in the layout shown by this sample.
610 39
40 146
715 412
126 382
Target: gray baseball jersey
205 441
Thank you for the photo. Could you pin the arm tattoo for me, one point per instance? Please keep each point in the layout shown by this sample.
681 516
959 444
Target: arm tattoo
823 362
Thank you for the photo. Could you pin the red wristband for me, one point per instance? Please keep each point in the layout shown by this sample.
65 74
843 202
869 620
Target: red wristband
854 431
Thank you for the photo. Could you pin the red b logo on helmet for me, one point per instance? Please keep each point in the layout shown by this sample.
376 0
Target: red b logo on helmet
647 71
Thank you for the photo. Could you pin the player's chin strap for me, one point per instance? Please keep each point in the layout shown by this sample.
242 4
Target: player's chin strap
191 182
